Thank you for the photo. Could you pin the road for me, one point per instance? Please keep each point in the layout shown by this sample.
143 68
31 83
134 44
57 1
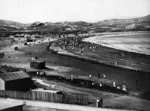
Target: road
57 105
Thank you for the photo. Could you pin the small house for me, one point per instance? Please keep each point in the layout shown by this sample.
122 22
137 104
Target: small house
7 105
37 64
2 55
29 40
25 43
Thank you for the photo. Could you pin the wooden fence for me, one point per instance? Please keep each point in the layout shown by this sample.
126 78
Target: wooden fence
46 96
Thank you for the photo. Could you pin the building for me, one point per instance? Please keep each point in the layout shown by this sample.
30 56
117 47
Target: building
37 64
2 54
6 105
29 40
16 48
15 81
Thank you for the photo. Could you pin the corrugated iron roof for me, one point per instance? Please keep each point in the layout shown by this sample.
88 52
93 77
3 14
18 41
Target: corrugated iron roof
14 75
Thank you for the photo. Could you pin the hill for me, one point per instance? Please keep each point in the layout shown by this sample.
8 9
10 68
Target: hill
7 24
141 23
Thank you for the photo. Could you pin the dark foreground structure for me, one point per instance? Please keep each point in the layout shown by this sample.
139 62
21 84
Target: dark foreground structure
15 81
10 106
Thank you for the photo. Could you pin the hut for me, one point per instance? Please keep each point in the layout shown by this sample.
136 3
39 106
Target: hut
29 40
25 43
2 55
16 48
7 105
37 64
15 81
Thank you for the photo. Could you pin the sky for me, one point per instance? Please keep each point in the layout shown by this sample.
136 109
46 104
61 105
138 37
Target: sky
27 11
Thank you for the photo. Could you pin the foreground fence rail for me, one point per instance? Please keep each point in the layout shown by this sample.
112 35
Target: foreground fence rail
46 96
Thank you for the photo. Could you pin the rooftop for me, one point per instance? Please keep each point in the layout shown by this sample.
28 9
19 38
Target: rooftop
5 104
8 76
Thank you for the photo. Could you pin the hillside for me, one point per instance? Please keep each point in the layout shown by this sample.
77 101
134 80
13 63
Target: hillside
122 23
7 24
141 23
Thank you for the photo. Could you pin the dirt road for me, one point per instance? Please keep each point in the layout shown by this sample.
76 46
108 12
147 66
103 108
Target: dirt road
57 106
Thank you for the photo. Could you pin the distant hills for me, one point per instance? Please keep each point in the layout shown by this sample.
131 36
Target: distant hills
122 23
11 24
141 23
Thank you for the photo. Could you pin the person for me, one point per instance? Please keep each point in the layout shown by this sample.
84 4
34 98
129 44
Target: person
104 76
114 84
71 77
97 103
90 75
99 75
101 102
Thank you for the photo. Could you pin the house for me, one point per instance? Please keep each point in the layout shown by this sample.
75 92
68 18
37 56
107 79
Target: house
16 48
6 105
37 64
2 54
15 81
29 40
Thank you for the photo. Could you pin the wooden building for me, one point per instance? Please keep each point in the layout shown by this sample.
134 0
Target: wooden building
2 54
15 81
37 64
16 48
6 105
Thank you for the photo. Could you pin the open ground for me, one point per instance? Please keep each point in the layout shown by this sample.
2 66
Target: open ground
136 81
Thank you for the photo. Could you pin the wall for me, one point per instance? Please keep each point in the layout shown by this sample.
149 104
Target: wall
2 84
46 96
19 85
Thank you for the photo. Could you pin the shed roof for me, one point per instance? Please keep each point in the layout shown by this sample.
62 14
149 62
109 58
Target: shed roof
14 76
6 105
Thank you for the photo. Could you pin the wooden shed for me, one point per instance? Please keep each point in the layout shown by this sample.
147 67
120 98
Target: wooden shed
7 105
37 64
16 48
2 54
15 81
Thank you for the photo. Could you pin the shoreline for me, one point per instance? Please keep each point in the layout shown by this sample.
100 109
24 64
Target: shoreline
104 41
